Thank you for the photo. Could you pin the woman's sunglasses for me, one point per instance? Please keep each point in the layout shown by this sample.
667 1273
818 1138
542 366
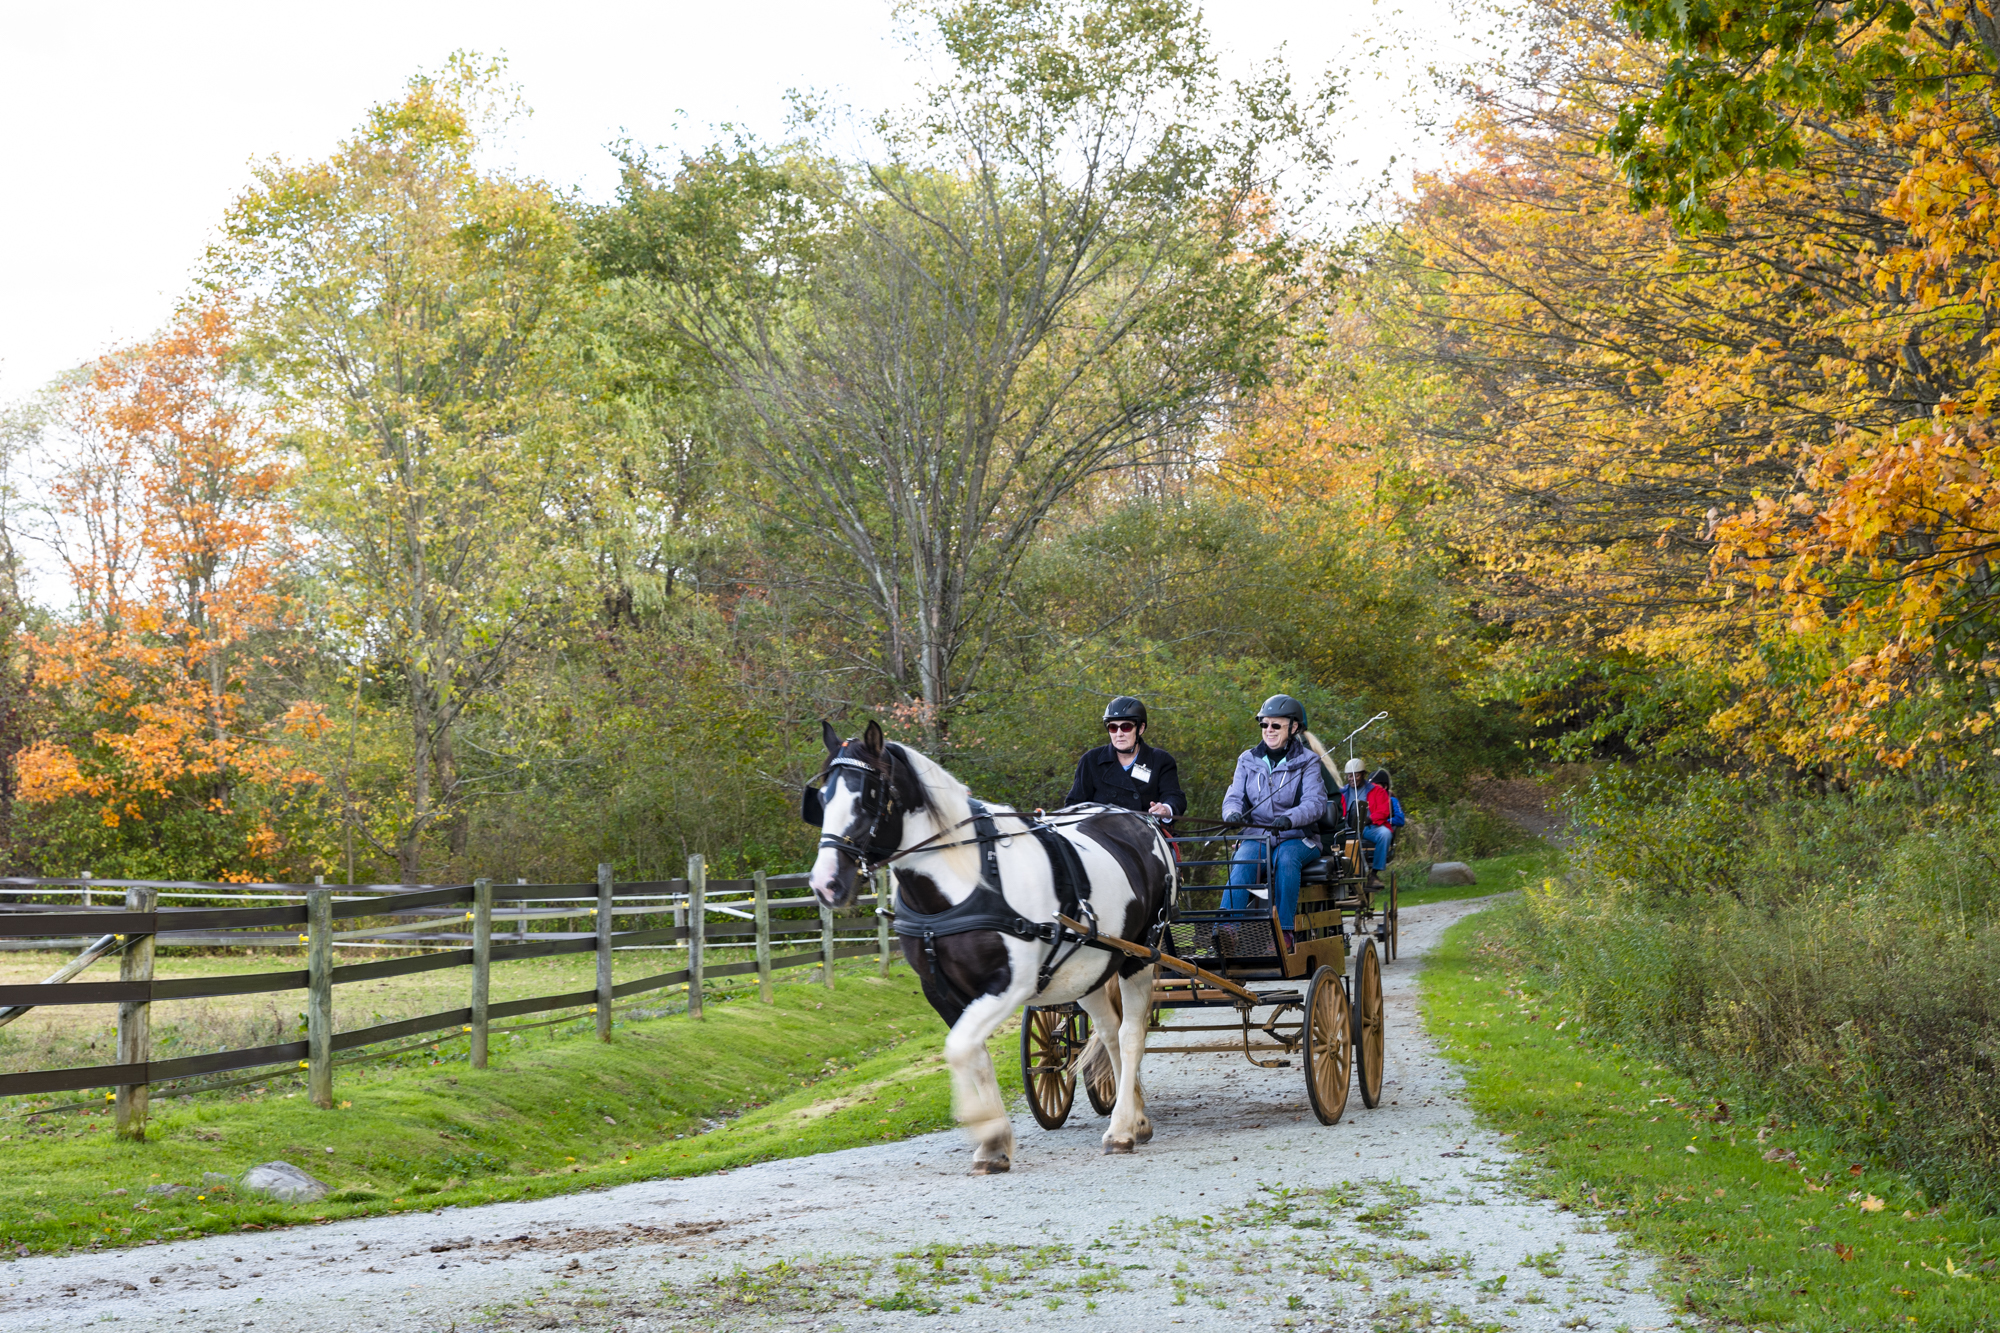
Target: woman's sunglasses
1276 724
1121 726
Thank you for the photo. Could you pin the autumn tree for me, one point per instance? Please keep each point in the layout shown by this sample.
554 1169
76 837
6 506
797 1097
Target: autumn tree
1059 267
174 751
404 311
1622 385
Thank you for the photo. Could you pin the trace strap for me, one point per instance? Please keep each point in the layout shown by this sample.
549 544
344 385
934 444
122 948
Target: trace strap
986 908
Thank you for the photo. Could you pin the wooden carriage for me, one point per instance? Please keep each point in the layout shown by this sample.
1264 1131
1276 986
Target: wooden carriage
1324 994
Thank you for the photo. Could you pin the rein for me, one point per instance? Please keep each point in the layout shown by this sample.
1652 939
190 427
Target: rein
973 841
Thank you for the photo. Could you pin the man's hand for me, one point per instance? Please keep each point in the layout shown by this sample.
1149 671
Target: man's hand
1164 811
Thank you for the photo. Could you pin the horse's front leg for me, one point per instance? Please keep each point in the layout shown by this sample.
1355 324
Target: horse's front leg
1130 1125
974 1086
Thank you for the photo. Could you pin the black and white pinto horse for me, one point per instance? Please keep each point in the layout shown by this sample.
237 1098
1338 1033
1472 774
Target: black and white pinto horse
978 888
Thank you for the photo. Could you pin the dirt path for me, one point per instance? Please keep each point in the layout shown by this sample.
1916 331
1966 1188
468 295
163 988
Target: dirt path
1244 1213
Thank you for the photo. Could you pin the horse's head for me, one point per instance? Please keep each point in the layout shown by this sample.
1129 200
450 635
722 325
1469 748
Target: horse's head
859 809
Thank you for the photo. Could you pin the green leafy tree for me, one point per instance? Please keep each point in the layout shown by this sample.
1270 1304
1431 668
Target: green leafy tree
405 306
1062 267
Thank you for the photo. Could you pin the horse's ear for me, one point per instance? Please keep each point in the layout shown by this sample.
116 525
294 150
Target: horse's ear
872 739
830 736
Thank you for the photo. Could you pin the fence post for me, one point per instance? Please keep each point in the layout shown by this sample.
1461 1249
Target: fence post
603 951
825 942
697 928
135 1020
85 877
319 997
482 965
521 917
882 917
763 914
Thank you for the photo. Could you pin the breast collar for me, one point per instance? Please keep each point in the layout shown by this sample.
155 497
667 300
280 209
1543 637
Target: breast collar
985 908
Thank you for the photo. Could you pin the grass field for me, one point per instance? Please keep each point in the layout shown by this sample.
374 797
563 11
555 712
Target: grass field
1755 1222
815 1072
63 1036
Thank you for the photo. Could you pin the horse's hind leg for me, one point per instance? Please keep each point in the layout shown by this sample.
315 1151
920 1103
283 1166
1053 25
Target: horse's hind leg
1102 1053
975 1088
1130 1125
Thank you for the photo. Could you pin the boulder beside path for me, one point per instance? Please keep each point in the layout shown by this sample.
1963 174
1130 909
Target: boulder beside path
284 1182
1452 873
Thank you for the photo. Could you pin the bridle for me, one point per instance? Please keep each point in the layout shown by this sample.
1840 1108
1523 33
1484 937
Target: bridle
876 802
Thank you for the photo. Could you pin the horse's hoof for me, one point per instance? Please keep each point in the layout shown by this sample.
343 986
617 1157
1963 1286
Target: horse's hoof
991 1166
1117 1146
1146 1132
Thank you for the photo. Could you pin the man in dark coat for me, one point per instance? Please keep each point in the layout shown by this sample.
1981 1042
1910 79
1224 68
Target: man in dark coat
1128 773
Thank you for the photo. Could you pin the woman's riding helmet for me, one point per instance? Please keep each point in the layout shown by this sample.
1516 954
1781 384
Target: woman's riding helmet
1283 705
1355 766
1125 709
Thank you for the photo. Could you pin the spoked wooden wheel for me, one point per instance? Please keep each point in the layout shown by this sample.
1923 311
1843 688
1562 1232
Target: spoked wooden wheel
1051 1039
1368 1034
1329 1047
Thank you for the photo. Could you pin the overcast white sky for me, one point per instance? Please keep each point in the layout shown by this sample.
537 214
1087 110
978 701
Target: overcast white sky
129 126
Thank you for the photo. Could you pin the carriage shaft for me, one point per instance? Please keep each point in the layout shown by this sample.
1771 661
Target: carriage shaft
1164 960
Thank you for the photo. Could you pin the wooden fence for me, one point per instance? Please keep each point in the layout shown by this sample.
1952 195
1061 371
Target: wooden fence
703 912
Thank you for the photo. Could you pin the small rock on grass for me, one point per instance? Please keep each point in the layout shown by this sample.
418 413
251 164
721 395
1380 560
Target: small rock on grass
1456 873
284 1182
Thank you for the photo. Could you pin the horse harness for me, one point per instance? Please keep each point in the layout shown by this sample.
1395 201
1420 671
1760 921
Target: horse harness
986 908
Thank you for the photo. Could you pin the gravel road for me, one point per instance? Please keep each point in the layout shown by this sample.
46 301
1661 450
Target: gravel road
1243 1213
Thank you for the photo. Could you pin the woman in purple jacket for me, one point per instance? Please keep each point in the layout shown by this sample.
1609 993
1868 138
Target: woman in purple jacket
1280 790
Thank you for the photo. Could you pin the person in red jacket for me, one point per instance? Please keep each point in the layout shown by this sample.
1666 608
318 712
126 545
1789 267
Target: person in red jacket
1368 806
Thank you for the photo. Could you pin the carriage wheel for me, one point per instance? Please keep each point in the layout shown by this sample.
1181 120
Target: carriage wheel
1368 1034
1051 1039
1329 1045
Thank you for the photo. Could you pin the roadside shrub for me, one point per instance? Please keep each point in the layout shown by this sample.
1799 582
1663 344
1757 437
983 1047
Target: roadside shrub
1671 835
1837 974
1462 831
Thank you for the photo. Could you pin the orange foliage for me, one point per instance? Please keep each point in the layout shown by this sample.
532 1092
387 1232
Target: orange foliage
174 538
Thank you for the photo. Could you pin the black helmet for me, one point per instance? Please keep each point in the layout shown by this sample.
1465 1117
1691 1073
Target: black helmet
1284 705
1125 709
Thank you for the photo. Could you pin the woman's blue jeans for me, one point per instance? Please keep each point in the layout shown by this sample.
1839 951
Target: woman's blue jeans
1293 856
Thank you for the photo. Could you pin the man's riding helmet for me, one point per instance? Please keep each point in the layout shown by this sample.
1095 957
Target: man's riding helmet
1355 768
1283 705
1125 709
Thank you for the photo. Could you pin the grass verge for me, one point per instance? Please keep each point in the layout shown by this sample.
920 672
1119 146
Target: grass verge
1496 874
816 1071
1756 1222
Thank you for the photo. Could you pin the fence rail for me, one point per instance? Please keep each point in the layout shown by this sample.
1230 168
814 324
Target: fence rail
725 912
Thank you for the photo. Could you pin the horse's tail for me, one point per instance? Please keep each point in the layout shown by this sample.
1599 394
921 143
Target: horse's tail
1094 1068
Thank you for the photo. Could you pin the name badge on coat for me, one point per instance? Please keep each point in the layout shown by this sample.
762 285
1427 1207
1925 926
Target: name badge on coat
1141 773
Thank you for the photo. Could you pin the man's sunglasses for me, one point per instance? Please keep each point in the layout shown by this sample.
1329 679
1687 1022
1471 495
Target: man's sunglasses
1273 724
1121 726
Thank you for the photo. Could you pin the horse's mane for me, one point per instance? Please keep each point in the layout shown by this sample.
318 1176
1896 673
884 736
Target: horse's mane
949 803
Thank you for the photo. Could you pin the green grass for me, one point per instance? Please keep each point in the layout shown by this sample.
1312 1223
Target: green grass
1496 874
816 1072
1756 1224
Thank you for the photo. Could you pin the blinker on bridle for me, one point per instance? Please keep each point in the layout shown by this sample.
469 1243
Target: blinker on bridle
877 804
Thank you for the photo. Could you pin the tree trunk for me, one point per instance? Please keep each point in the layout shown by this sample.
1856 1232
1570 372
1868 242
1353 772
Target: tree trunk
409 839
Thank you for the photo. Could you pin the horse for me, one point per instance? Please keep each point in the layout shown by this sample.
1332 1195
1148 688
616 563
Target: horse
978 889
